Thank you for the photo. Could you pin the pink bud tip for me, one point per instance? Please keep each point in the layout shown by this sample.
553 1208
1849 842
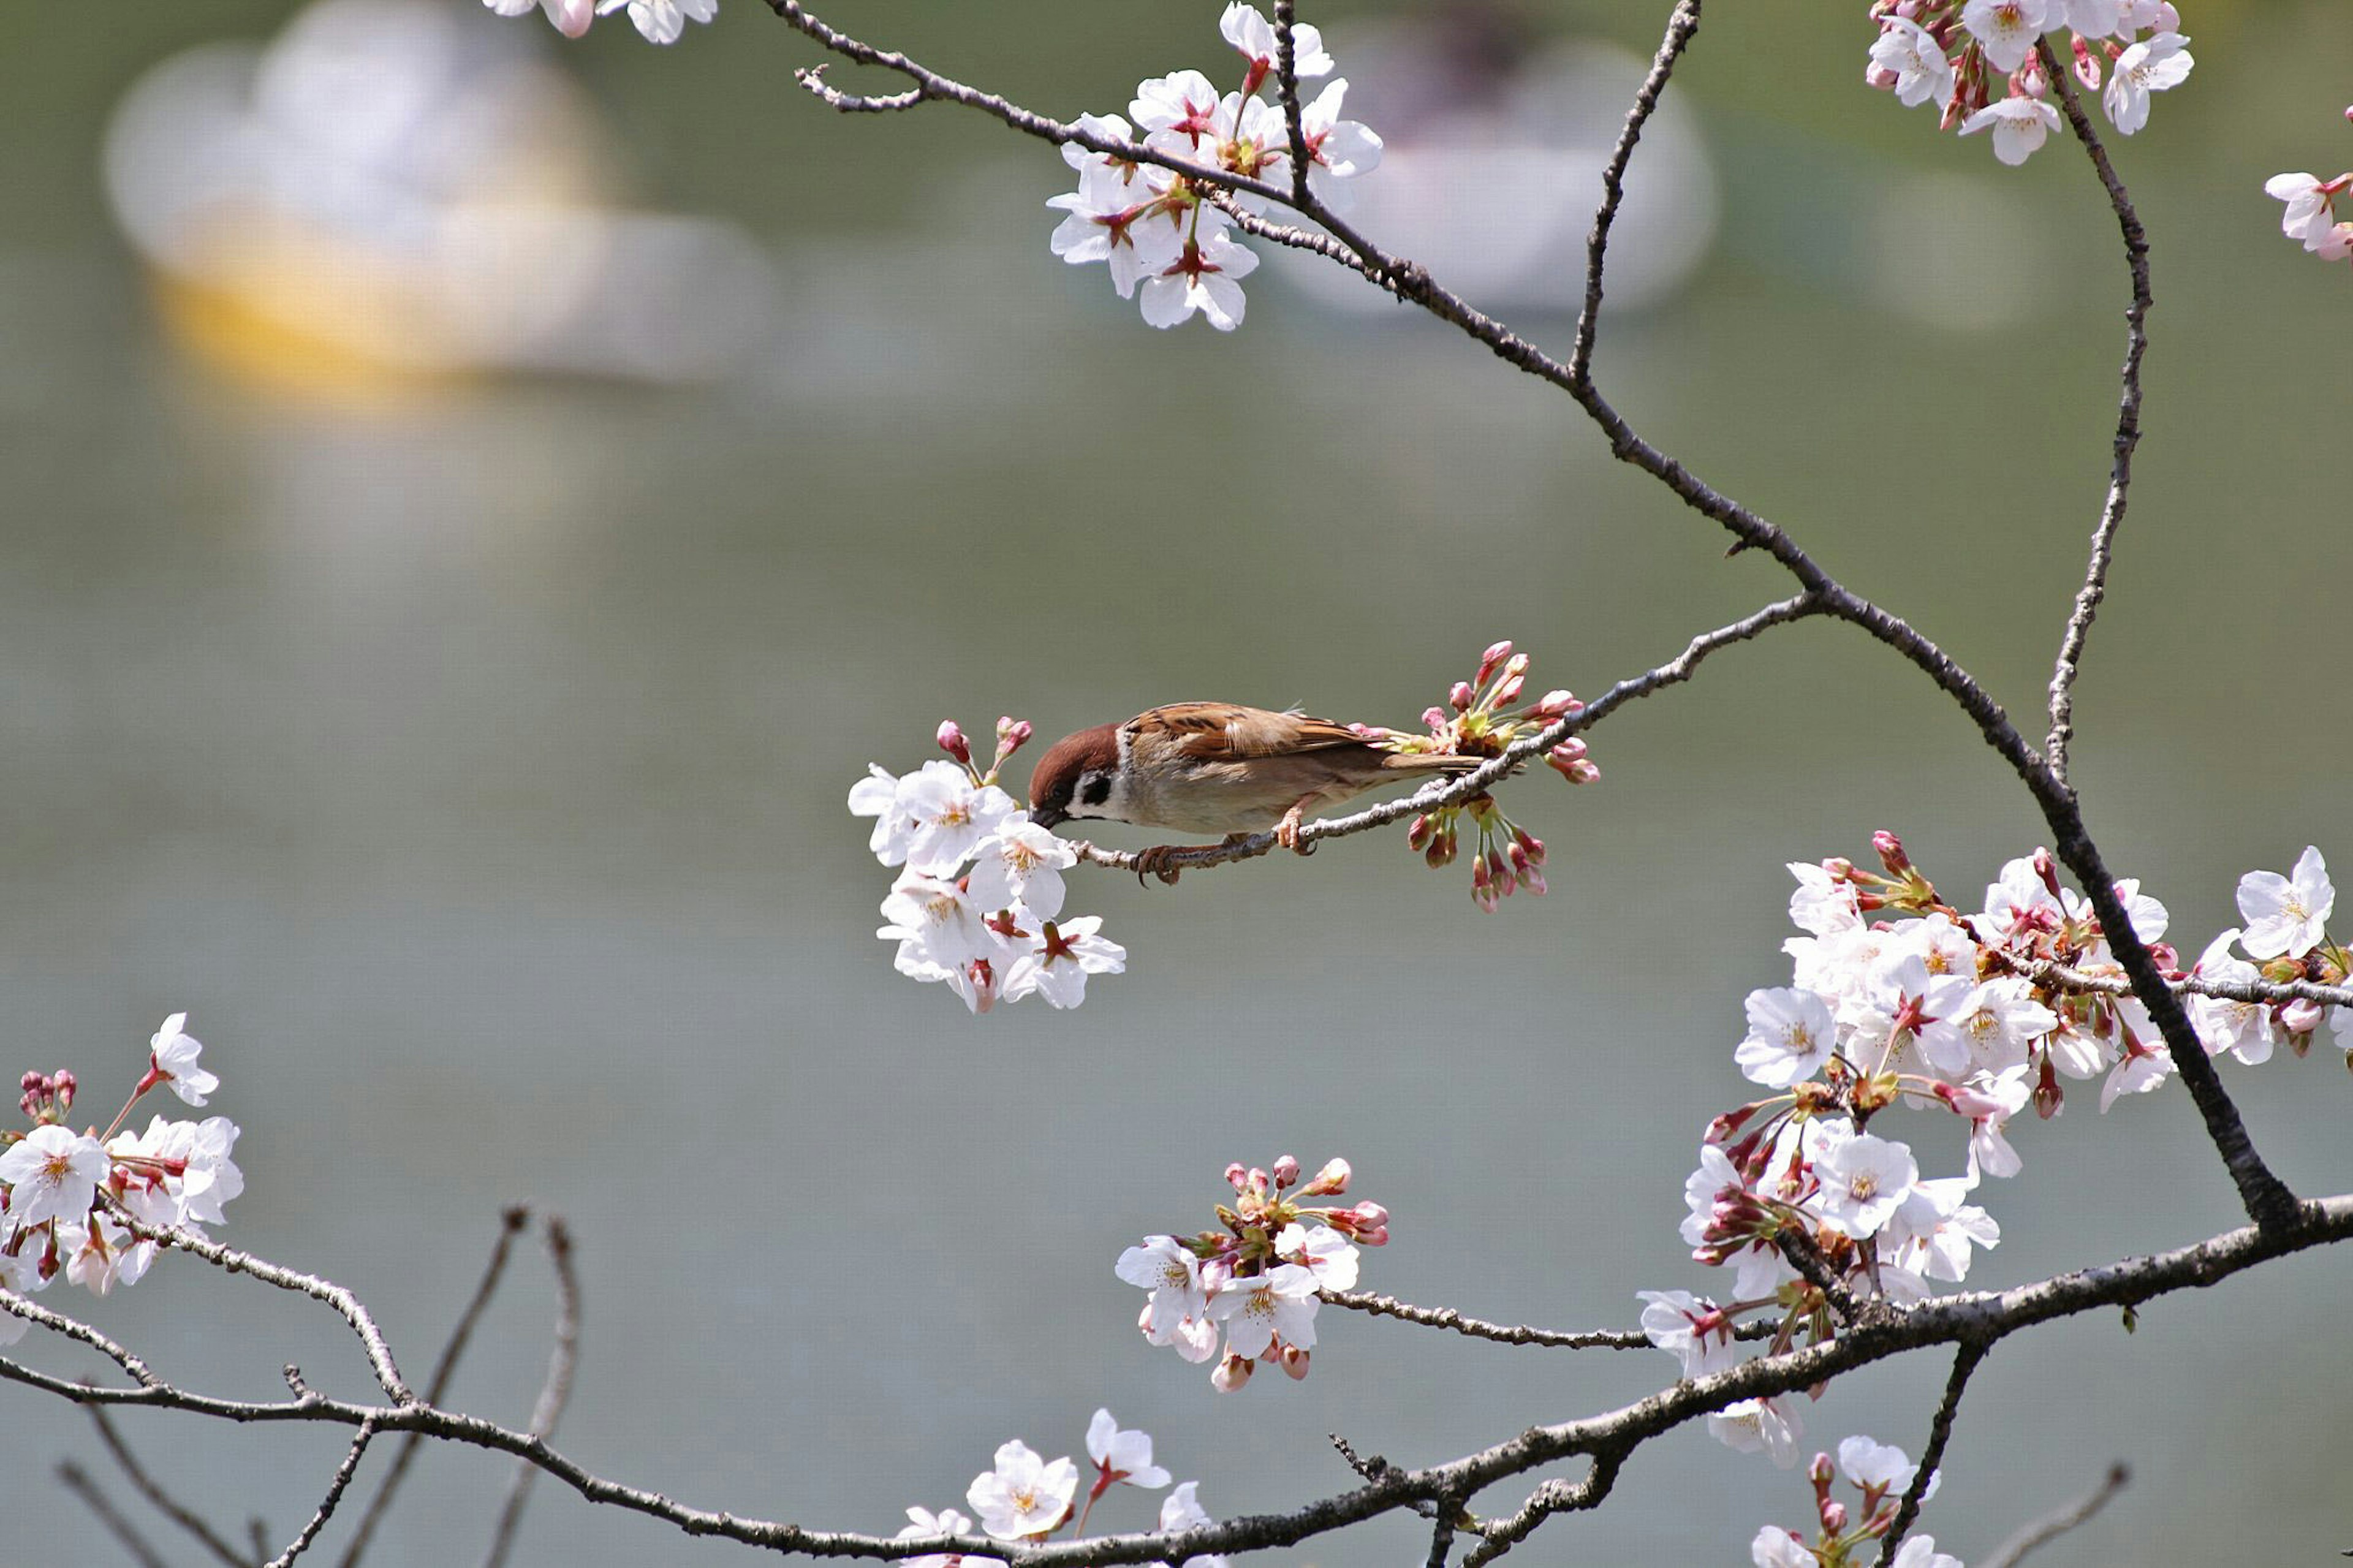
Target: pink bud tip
1516 665
1237 1175
1496 654
952 742
1462 696
1510 690
1286 1172
1418 833
1820 1471
1834 1516
1435 718
1558 705
1331 1179
1231 1374
1890 853
1295 1363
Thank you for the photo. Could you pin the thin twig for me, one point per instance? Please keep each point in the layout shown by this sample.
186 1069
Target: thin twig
1555 1497
2052 1525
553 1395
511 1223
341 1479
1503 1333
345 1305
74 1329
1940 1432
2112 511
187 1519
78 1482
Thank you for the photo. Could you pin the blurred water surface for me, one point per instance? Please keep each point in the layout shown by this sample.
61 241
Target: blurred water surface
469 762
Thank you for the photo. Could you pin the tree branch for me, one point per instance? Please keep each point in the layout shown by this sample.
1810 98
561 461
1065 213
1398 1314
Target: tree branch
341 1479
2051 1526
553 1395
77 1481
187 1519
1940 1432
2112 512
511 1224
1975 1317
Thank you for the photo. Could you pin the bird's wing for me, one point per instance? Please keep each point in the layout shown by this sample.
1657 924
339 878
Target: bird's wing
1225 730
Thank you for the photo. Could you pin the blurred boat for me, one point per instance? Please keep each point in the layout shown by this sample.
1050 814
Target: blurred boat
398 192
1491 167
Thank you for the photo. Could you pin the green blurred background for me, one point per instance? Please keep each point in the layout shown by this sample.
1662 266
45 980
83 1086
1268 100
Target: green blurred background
469 762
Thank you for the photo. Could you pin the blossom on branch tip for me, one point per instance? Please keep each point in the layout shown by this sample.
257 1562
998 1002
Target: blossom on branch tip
1203 278
1278 1304
1769 1426
1790 1037
1253 36
1058 966
173 1051
1122 1455
1864 1182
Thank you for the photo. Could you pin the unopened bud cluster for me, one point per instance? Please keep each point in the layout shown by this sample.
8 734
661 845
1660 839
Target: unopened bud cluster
1481 717
977 905
1954 54
68 1199
1902 1000
1253 1279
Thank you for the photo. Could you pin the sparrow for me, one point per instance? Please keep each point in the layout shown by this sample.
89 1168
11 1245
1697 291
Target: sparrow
1217 767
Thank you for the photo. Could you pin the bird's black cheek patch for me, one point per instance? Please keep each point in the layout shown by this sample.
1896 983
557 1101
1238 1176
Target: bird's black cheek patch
1096 790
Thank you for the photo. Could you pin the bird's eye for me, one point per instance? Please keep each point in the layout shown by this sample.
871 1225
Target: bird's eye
1096 788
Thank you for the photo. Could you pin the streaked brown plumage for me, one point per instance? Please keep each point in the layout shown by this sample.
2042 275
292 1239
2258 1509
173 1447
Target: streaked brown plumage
1217 767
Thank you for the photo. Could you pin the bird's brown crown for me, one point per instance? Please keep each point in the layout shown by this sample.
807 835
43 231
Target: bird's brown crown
1055 783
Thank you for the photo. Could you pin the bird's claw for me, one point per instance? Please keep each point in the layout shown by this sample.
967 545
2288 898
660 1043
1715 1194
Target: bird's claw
1287 832
1157 861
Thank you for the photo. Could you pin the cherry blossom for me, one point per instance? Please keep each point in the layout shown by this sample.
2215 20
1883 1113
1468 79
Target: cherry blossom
661 21
1280 1303
1181 1510
1790 1035
1923 72
2018 125
1024 1496
2007 30
1253 35
1020 863
2153 65
51 1173
1864 1181
2241 1028
174 1054
569 17
947 1522
1119 221
1122 1455
1058 966
2287 915
1323 1252
1202 279
1759 1425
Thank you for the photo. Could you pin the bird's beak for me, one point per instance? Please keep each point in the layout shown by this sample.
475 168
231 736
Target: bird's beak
1047 817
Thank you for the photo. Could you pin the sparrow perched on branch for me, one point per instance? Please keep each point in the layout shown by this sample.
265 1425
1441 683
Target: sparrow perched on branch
1217 767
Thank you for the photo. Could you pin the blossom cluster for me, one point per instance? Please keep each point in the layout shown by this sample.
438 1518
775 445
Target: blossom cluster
2310 217
68 1199
1881 1472
1480 720
1952 53
1158 229
1023 1497
659 21
1974 1015
978 901
1254 1278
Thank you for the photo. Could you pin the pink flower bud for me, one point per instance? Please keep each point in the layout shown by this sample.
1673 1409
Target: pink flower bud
1878 76
1890 853
1532 844
2302 1016
952 742
1462 696
1516 665
1286 1173
33 1083
1510 690
1294 1362
1419 832
1496 654
1820 1472
1367 1216
1231 1374
1479 876
2047 868
1435 718
1533 881
1558 705
1834 1516
1331 1179
1237 1175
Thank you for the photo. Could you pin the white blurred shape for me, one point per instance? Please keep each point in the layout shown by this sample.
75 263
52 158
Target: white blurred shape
1493 171
397 189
